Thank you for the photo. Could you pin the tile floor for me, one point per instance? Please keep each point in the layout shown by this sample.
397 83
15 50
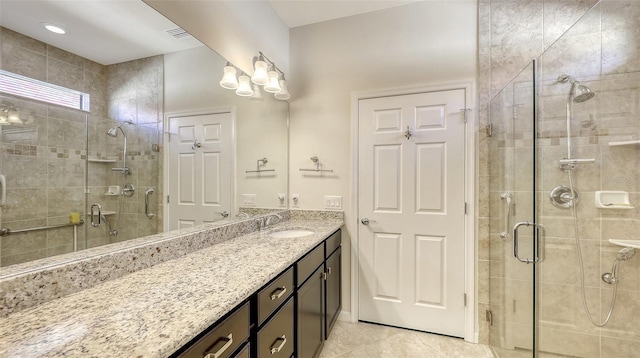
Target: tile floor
355 340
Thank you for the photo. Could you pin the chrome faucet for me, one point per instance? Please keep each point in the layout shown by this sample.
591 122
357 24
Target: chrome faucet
264 221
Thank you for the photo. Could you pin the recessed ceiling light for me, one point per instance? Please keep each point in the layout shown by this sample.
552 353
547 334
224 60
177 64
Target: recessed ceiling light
54 28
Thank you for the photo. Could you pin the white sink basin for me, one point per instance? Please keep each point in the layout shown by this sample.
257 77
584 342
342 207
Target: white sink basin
626 243
291 233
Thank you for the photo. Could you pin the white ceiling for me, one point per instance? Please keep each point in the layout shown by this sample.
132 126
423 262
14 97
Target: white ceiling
130 29
296 13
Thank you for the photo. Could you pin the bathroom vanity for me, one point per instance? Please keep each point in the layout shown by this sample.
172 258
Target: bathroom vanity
265 323
249 296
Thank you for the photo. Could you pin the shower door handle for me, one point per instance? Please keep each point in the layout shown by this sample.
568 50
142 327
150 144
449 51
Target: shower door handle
538 248
93 223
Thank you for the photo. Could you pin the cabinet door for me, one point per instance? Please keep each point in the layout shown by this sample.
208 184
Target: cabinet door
333 289
310 316
275 339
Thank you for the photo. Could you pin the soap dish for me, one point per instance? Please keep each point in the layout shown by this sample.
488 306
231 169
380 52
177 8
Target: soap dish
613 200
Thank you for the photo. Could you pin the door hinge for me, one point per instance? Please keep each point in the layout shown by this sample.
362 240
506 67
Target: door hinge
465 300
168 199
465 111
489 317
465 208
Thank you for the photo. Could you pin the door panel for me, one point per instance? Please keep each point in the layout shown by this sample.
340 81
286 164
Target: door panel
411 187
199 169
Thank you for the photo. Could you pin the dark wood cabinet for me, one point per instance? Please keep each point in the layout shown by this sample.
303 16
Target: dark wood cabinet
291 316
310 315
333 292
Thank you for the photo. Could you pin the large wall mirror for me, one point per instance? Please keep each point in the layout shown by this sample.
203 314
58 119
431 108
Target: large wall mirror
161 147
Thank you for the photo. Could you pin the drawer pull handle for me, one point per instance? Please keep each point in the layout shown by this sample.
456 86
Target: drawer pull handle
277 349
218 353
278 292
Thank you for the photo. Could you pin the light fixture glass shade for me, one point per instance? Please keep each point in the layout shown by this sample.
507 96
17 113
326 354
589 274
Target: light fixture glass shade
14 118
244 86
273 86
260 76
284 91
229 80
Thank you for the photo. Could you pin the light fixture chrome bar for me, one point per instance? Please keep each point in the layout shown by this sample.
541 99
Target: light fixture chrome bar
5 231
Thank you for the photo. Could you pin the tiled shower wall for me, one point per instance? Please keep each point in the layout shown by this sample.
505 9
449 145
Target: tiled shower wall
44 158
601 50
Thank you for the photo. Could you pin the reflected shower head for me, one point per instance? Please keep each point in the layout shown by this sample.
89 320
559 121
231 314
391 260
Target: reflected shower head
113 132
579 93
625 254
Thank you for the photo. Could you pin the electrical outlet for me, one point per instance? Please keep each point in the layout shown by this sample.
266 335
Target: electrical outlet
249 199
295 198
332 202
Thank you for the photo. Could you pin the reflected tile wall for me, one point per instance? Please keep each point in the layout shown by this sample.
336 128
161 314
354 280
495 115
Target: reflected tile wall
44 159
601 51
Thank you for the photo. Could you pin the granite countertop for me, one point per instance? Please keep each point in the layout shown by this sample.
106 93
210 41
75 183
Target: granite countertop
155 311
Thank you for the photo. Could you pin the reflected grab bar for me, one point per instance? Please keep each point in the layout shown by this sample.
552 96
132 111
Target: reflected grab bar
147 212
506 196
4 231
93 223
3 182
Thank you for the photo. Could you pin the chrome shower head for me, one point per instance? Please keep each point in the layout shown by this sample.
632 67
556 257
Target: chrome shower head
113 132
579 93
583 93
625 254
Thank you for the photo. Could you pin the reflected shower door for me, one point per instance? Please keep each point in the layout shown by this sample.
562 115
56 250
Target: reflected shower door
512 158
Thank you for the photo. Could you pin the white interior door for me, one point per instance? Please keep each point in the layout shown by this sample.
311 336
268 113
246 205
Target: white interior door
411 188
199 170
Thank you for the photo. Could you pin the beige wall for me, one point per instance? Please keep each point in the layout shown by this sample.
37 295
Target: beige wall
422 43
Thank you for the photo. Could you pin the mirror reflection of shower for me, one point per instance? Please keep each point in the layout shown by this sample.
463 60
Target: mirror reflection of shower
113 132
128 189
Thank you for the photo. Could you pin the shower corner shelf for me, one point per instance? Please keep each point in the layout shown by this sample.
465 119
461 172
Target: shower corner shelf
613 200
626 243
96 160
620 144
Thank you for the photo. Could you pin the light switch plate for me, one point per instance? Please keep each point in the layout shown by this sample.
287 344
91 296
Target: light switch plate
249 199
332 202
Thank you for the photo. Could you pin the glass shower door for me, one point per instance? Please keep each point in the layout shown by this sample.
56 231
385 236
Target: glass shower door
512 158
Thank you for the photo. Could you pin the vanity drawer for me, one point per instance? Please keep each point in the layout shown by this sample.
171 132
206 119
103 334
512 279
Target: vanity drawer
224 339
272 296
310 263
333 242
275 339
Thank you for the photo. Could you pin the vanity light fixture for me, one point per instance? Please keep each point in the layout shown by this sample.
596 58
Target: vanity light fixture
56 29
244 86
273 86
260 76
266 74
229 80
9 115
284 91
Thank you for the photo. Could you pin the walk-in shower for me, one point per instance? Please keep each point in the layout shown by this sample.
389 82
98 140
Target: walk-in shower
567 197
